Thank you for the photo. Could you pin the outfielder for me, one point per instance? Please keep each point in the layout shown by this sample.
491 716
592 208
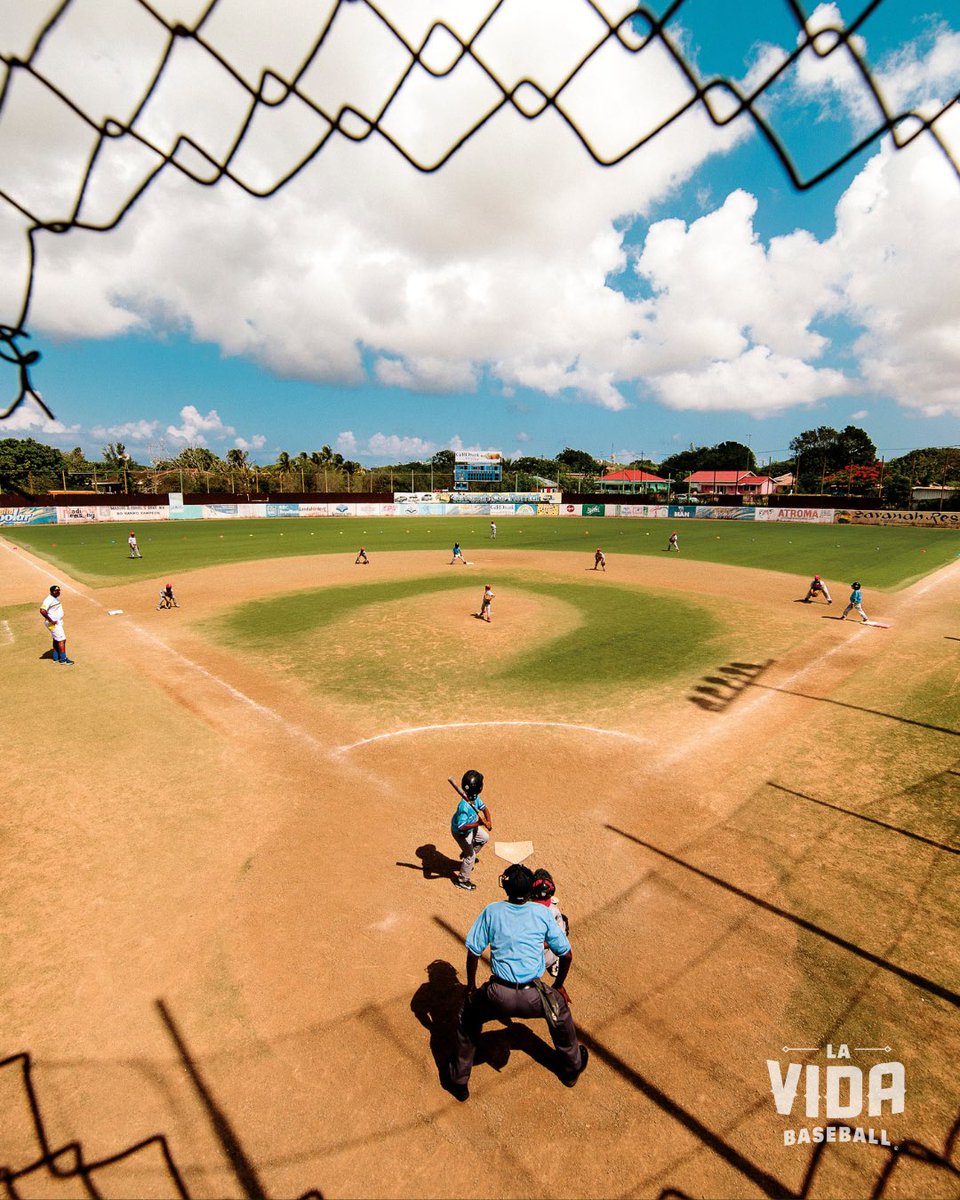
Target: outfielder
134 548
673 542
816 587
599 560
470 826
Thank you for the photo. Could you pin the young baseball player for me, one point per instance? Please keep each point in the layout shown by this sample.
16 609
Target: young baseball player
470 827
484 613
167 598
599 560
673 543
856 601
362 558
817 587
493 531
134 548
457 555
51 609
542 892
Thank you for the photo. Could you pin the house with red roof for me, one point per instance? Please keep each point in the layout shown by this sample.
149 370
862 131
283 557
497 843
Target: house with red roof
729 483
630 480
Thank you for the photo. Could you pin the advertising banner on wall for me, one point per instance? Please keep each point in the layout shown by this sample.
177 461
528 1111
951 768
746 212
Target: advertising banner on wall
643 510
548 510
680 511
570 510
725 512
28 516
461 510
283 510
593 510
186 512
812 516
75 514
929 520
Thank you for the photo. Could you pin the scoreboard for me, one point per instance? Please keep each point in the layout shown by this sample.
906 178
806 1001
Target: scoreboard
476 466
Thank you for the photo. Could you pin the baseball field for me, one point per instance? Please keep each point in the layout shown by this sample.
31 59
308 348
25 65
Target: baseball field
234 954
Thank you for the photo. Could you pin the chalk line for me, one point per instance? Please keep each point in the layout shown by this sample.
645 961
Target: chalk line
263 710
417 729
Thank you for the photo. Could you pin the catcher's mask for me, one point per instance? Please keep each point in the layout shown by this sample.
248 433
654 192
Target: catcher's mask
543 886
472 783
517 881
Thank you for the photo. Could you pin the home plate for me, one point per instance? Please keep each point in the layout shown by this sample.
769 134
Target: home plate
114 612
513 852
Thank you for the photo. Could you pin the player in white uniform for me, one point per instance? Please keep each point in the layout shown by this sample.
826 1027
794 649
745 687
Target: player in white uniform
51 609
134 548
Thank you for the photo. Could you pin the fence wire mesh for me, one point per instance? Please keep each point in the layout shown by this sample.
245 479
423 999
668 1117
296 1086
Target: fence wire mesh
63 74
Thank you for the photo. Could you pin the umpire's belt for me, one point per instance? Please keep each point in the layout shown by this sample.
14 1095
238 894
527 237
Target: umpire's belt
517 987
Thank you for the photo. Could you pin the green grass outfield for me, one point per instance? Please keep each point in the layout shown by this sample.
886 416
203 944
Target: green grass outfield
878 557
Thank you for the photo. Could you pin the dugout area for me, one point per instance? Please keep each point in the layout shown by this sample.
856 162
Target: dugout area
234 958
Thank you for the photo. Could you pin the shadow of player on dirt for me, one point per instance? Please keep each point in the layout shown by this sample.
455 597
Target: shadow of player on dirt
436 1005
433 863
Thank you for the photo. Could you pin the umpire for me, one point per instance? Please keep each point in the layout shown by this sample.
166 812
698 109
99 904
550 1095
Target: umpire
515 931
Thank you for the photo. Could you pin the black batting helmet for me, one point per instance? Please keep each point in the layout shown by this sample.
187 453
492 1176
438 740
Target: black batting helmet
472 783
543 886
517 881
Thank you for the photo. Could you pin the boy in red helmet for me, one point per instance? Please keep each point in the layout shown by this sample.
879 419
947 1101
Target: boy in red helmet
817 587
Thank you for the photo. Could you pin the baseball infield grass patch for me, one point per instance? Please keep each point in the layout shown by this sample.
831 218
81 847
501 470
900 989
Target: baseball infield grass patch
878 557
415 639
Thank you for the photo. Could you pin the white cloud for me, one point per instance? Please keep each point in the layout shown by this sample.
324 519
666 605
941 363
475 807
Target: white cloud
523 438
132 431
29 417
859 414
196 428
257 442
388 447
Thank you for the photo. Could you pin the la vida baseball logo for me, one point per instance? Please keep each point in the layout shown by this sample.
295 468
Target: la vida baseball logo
840 1091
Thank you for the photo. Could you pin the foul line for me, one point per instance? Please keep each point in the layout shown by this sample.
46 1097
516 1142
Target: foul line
269 713
410 732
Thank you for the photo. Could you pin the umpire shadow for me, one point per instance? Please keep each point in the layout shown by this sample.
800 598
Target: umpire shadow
436 1004
433 863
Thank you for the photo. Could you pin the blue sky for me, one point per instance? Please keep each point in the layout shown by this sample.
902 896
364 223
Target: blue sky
521 298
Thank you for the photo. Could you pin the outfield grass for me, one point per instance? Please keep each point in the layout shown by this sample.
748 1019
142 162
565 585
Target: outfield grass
623 637
879 558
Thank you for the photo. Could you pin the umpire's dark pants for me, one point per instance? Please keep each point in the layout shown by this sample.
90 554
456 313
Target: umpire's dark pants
496 1000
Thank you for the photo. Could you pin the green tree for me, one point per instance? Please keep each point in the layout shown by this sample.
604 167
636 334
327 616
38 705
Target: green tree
28 464
578 462
197 458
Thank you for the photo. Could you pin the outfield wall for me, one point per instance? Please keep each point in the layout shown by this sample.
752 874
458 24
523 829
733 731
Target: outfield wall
427 504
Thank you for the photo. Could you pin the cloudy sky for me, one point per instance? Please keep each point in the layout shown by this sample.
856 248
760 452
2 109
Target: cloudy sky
518 297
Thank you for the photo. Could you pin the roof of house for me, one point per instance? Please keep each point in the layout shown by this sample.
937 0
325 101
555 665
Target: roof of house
628 475
719 476
752 479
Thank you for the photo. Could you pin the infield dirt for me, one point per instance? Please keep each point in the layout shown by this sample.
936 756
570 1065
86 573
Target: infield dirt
764 862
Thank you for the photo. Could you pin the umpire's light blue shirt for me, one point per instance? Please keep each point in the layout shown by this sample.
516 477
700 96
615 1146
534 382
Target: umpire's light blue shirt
466 814
515 934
